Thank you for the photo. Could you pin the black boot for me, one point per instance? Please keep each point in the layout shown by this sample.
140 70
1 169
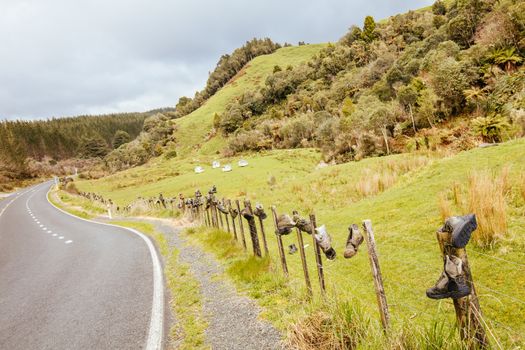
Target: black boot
293 249
461 228
353 241
452 282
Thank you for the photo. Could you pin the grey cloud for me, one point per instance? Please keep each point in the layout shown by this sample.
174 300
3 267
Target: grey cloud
66 57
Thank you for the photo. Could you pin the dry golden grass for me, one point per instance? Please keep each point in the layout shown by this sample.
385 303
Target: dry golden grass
444 207
374 181
521 186
486 198
343 327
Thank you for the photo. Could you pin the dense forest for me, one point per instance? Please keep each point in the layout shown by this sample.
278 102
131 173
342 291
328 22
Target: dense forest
440 75
25 142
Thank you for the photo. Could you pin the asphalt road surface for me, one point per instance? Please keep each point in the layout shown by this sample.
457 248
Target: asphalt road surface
67 283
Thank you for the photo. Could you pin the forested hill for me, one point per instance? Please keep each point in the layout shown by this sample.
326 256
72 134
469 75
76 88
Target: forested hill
62 138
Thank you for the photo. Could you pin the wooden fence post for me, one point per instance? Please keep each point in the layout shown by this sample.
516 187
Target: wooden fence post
226 216
280 243
263 234
376 272
253 229
233 220
303 261
468 310
240 224
318 258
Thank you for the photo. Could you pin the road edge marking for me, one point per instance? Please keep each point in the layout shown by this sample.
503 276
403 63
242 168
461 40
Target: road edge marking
156 326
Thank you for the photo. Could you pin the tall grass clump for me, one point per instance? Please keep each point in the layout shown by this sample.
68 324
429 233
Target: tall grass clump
444 207
342 326
486 198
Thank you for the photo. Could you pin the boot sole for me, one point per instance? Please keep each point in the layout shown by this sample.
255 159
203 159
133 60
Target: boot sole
465 232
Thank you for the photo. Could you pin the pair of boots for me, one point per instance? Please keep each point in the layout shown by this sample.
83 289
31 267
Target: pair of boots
285 224
452 282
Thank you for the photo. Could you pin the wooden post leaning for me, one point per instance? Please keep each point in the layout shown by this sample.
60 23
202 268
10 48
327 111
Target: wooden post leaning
318 258
233 220
468 310
240 224
376 273
226 216
253 229
263 235
280 244
303 261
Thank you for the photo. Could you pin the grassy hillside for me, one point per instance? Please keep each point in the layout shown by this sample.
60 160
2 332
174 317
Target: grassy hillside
193 128
405 216
404 195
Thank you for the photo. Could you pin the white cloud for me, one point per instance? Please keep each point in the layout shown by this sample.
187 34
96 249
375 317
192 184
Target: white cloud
68 57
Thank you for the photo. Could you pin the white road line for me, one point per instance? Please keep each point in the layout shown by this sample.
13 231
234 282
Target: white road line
69 241
156 325
41 225
48 231
61 237
54 235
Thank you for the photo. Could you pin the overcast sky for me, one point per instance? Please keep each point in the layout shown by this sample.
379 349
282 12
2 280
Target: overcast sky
70 57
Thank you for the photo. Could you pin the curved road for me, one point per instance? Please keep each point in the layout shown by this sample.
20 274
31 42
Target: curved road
67 283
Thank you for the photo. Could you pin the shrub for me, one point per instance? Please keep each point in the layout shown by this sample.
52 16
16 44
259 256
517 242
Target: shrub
491 127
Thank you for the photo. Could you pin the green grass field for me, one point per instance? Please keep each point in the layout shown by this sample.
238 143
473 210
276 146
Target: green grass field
399 193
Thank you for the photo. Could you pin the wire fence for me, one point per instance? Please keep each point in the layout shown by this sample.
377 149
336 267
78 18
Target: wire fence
209 211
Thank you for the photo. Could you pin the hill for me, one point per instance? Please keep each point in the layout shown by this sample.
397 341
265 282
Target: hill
427 85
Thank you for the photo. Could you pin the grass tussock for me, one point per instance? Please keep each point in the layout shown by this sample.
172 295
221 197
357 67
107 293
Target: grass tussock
344 326
486 198
374 181
445 208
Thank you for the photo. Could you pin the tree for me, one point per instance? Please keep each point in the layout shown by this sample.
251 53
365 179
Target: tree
94 147
491 127
476 96
121 137
439 8
369 30
449 81
508 58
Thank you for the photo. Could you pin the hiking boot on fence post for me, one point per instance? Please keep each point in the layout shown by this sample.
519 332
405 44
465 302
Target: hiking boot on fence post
285 224
302 224
292 249
461 228
452 282
354 240
259 211
325 242
222 208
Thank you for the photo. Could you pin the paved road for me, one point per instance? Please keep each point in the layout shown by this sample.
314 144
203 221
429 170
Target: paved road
66 283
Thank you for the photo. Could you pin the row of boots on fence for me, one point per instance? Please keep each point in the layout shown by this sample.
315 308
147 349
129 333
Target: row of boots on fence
285 224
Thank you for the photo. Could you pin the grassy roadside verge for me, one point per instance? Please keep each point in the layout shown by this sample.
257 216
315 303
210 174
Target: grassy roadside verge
322 323
187 332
